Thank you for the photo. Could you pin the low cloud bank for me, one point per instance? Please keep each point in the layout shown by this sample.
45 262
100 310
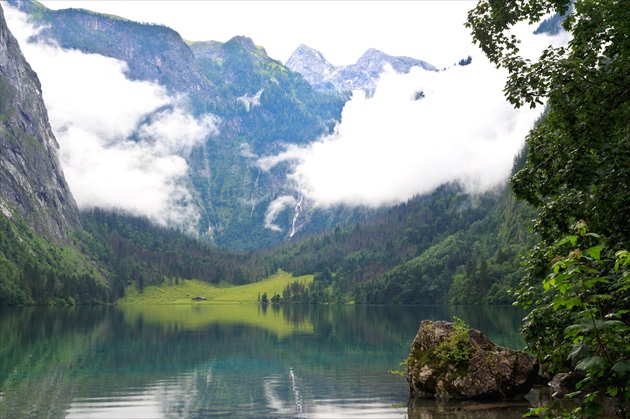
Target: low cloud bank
122 143
417 132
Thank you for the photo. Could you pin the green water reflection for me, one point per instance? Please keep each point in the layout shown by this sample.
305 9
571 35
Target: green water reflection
231 361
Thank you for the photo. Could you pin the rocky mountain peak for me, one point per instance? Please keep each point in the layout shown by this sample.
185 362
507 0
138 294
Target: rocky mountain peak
362 75
245 43
314 67
304 52
372 54
372 59
32 184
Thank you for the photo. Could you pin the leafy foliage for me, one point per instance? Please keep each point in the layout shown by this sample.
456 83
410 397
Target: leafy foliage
577 168
584 315
456 349
579 154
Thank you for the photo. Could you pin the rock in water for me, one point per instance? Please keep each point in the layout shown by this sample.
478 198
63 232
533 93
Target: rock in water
449 361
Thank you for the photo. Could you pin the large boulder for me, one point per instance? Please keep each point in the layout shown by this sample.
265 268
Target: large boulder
450 361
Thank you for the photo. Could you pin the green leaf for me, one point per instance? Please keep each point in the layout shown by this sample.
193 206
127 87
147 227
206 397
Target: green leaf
563 288
622 367
591 282
572 395
571 239
612 391
613 323
590 397
576 327
548 283
579 351
590 363
594 252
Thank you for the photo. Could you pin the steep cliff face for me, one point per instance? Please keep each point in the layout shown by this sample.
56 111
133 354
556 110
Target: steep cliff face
32 185
152 52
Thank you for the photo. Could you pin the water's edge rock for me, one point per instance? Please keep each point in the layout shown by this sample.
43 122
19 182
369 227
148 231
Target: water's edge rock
449 362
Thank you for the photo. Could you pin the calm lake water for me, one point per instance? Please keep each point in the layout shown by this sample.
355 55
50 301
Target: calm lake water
227 361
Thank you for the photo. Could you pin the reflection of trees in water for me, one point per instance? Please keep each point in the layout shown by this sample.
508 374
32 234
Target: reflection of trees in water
433 409
49 356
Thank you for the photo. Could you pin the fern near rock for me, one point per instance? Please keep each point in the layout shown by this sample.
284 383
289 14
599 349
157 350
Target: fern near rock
450 361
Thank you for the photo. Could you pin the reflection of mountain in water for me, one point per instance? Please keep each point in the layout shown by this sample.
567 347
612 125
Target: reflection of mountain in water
214 360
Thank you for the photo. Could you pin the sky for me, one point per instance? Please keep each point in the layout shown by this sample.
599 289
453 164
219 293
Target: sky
342 30
388 147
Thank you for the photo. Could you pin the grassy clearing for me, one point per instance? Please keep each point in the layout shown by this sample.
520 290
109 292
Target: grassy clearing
188 289
172 307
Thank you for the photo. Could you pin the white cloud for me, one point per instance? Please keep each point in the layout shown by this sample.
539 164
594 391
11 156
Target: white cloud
291 152
386 149
275 208
399 143
251 101
390 147
122 143
175 131
128 176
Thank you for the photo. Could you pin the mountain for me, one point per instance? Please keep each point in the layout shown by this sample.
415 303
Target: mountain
315 69
152 52
265 106
39 219
269 102
363 75
553 24
32 185
444 247
447 246
261 107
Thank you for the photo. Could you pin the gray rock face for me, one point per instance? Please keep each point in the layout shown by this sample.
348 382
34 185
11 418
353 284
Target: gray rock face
447 364
363 75
32 185
315 69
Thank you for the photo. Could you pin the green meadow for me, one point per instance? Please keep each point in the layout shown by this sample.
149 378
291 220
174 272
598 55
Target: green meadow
183 291
172 307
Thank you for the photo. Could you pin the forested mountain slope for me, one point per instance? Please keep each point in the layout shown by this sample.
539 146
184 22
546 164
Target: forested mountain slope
447 246
261 106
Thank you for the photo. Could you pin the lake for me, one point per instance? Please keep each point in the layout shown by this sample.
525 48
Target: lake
327 361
